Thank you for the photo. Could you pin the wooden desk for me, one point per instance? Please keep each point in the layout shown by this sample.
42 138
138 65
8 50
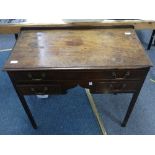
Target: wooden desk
109 60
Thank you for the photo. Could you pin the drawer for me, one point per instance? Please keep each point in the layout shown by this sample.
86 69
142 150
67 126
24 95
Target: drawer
78 75
53 87
112 87
40 89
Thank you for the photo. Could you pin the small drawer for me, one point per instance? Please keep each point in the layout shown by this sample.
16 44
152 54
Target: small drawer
129 74
35 76
40 89
114 87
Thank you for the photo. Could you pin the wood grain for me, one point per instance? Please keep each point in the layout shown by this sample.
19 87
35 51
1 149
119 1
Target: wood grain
78 49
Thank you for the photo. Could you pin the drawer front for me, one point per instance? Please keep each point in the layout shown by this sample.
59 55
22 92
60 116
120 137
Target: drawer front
39 89
52 88
78 75
112 87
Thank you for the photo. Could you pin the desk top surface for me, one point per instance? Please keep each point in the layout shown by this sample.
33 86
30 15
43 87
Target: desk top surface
77 49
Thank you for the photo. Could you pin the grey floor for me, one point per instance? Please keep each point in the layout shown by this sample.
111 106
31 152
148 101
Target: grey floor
71 113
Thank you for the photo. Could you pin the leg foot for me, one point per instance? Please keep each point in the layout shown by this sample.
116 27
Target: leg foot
123 125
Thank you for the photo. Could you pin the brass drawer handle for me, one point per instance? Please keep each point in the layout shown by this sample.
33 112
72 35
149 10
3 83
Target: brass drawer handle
127 74
43 75
32 89
42 92
29 75
36 79
45 88
121 86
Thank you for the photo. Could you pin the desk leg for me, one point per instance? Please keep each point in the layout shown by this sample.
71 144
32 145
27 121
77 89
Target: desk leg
16 36
24 104
130 108
151 40
27 110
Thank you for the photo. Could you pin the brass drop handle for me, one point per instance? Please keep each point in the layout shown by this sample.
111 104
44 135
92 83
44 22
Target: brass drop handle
45 89
43 75
32 89
36 79
42 92
121 86
29 75
114 74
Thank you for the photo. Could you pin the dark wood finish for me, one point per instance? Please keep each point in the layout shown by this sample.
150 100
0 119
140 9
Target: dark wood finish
102 60
112 86
45 75
130 108
133 102
78 49
27 110
40 89
16 36
50 88
151 40
24 105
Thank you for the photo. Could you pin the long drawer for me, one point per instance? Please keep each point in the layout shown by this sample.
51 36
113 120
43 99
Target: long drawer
130 74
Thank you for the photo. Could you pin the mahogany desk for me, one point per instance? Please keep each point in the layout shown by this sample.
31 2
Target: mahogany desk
103 60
